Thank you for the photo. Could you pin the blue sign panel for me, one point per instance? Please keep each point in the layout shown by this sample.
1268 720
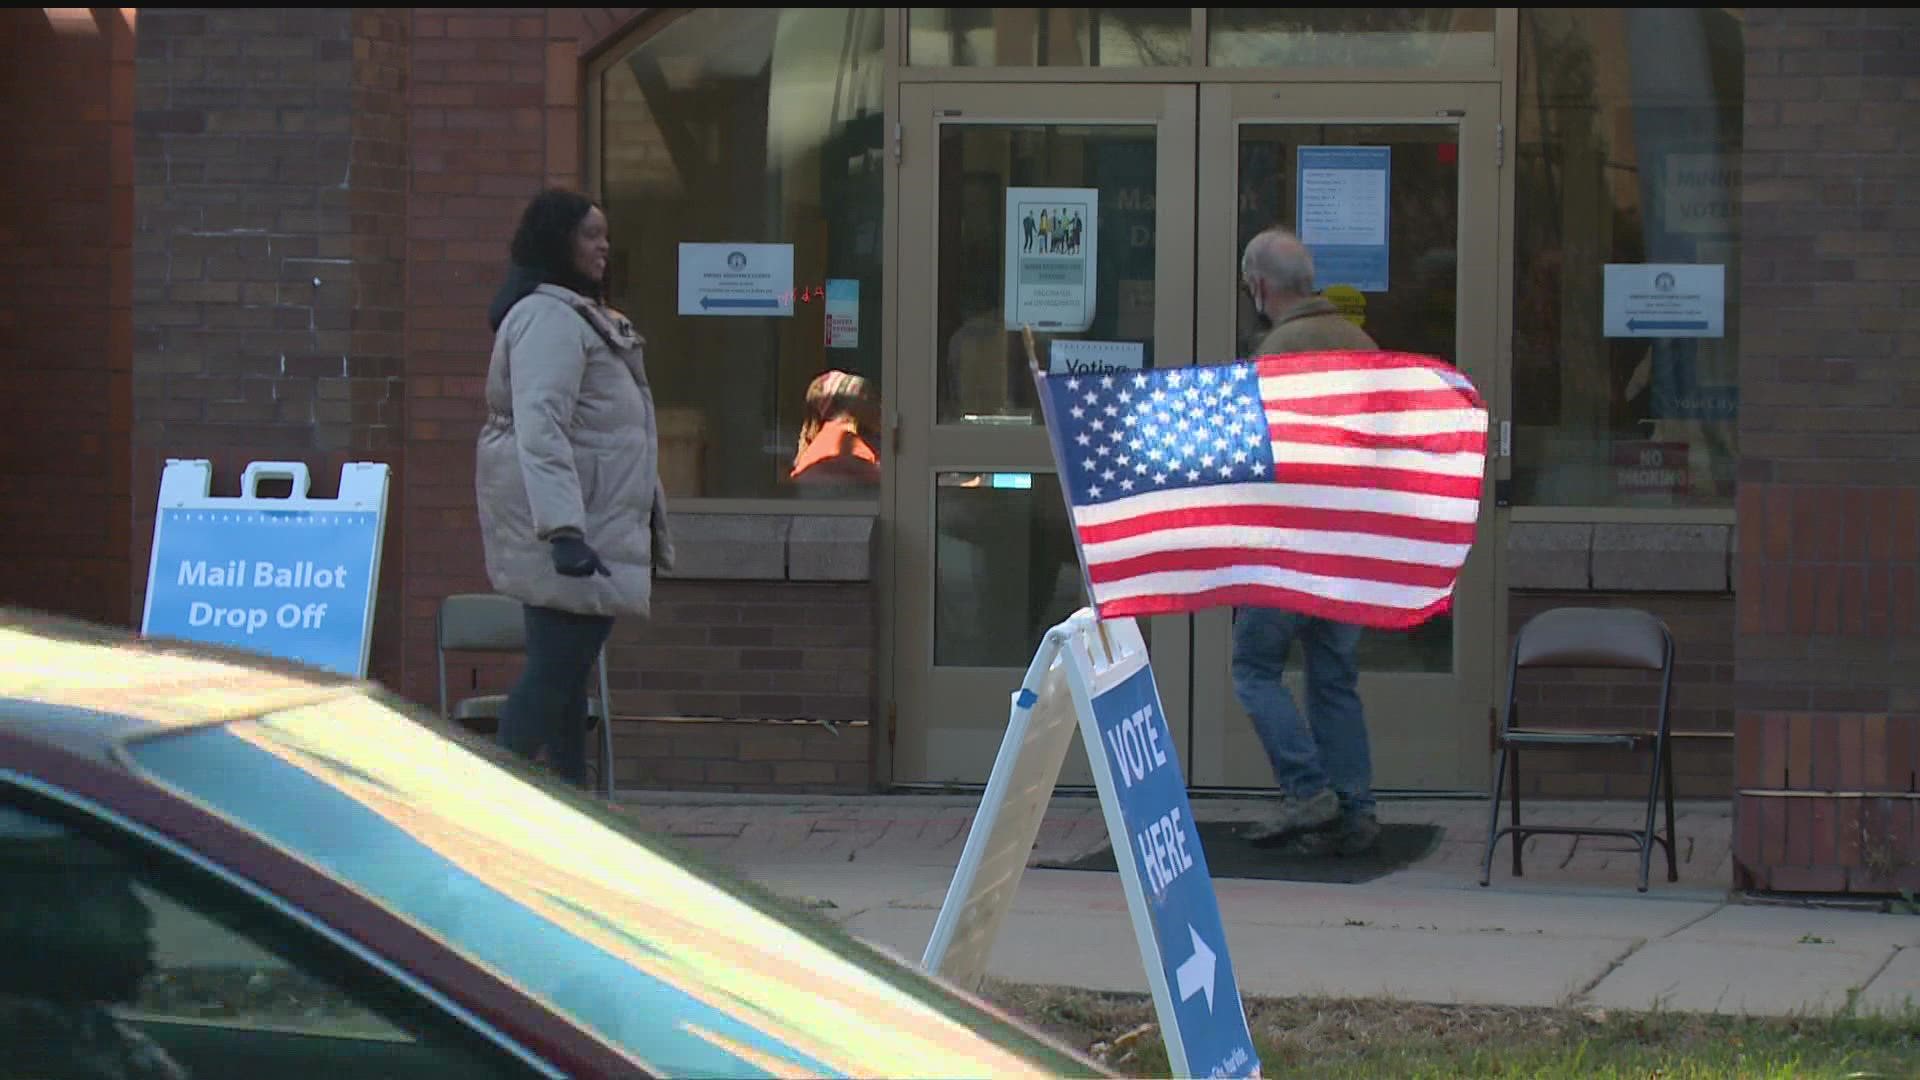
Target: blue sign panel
1165 847
296 584
1341 208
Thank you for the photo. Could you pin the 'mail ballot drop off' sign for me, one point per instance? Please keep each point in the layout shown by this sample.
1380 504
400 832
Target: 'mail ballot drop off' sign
290 577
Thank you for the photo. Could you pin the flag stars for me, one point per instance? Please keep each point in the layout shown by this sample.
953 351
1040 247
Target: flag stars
1163 429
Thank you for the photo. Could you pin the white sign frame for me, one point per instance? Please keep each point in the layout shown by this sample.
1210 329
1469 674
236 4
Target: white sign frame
1070 357
188 485
1047 307
1094 656
1664 300
736 280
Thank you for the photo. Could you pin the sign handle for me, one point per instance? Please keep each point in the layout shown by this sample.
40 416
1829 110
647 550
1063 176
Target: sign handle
295 471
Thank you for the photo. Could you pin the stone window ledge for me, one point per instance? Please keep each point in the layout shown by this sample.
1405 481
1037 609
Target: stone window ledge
772 547
1624 557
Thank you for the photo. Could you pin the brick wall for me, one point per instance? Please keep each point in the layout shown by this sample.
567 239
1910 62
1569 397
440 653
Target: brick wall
1702 628
772 650
266 317
733 685
1828 630
492 117
731 755
66 225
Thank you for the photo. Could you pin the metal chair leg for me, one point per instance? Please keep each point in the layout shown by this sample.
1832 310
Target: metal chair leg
1493 820
1648 835
1673 838
606 732
1519 838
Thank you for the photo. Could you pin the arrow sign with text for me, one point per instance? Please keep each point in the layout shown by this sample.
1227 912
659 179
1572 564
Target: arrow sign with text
1664 300
1109 694
768 302
1155 843
1196 975
1637 325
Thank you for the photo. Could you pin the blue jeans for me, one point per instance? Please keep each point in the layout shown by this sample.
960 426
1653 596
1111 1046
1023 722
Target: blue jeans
1330 748
548 706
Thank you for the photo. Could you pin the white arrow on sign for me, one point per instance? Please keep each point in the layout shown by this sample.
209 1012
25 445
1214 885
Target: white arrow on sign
1196 972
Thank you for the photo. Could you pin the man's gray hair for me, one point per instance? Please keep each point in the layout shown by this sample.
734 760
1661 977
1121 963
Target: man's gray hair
1277 257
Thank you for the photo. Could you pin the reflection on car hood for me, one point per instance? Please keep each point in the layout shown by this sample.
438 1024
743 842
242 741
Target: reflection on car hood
754 994
148 681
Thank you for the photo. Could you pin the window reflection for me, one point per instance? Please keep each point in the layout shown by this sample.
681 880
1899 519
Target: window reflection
1628 153
1005 567
1350 37
752 125
1049 37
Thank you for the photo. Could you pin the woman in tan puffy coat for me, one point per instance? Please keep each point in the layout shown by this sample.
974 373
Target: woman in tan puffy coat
566 471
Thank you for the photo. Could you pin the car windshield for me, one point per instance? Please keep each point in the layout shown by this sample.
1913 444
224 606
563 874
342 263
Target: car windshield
690 972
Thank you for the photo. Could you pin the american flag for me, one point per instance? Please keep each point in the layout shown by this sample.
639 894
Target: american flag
1344 485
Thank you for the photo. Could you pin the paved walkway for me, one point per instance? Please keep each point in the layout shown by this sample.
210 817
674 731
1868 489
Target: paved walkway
1573 931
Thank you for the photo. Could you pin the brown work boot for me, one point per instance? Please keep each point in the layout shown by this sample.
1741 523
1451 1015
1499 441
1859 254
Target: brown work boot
1351 834
1296 816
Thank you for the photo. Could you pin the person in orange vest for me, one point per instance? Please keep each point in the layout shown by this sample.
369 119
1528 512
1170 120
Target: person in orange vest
837 438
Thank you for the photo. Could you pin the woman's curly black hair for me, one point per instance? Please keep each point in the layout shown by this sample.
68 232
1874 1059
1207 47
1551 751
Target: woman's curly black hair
542 251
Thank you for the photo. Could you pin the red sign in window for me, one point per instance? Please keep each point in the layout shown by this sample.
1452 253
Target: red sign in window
1641 468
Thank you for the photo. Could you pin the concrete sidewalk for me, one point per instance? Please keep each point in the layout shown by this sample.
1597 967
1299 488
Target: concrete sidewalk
1572 932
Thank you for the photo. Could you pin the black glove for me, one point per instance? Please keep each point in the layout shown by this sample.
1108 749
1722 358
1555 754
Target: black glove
572 557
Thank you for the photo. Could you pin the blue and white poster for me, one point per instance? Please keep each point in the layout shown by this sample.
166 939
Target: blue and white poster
736 279
1342 209
291 578
1164 846
289 583
1052 258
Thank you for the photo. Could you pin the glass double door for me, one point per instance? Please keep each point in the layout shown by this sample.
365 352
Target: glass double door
1132 204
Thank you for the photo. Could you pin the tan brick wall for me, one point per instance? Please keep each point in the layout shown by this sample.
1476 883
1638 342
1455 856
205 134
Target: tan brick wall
66 234
1828 624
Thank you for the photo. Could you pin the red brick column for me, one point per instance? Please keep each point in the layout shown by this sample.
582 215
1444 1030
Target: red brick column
66 236
1828 594
493 115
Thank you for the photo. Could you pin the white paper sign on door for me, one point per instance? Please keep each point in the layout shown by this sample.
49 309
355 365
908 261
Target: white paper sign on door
1051 256
736 279
1655 300
843 313
1343 212
1096 357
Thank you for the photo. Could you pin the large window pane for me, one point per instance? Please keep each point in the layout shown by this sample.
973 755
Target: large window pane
1005 567
982 365
753 125
1350 37
1628 153
1048 37
1417 312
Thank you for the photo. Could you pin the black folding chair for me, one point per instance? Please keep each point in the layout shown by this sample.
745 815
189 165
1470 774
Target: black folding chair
1616 638
490 623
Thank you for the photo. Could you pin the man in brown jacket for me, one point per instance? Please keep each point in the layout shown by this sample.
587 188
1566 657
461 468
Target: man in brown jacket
1322 765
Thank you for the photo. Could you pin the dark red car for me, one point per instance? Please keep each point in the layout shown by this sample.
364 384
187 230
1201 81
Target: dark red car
216 866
